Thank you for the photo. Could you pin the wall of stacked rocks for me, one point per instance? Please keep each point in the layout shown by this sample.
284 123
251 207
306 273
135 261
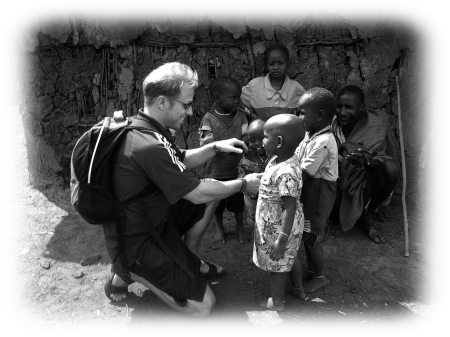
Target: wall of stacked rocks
75 71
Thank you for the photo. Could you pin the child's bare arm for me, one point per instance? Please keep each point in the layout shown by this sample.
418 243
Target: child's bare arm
279 247
206 137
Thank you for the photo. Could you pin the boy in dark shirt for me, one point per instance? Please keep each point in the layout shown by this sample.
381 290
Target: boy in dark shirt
223 121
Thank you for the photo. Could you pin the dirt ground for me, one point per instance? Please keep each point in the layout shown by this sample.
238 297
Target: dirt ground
372 287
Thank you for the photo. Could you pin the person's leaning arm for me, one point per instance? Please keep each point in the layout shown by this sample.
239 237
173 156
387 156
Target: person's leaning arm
196 157
215 190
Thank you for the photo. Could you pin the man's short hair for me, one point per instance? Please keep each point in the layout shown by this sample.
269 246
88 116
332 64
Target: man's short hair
168 80
220 83
323 100
354 90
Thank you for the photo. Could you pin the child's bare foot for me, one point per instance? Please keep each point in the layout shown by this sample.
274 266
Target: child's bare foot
298 292
219 237
307 274
268 304
317 282
244 236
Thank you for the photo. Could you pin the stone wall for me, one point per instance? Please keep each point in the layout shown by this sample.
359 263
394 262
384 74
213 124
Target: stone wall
78 70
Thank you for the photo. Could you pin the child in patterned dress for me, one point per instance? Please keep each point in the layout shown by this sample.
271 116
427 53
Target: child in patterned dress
279 214
254 161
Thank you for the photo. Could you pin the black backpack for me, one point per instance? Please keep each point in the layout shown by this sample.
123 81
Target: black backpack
91 180
90 168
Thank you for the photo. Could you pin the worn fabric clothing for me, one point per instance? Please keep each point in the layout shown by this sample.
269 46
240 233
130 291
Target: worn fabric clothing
318 197
246 166
318 155
157 268
283 179
266 101
223 165
371 128
234 203
147 157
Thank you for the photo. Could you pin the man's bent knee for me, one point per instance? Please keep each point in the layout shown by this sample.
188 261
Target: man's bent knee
203 309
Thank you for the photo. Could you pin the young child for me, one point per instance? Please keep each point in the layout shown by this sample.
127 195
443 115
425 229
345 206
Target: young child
275 93
279 215
254 161
224 122
318 155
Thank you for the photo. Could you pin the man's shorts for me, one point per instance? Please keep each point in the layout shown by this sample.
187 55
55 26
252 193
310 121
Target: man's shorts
318 199
160 270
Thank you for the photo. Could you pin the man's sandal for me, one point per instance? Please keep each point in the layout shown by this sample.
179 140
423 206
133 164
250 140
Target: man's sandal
111 289
212 272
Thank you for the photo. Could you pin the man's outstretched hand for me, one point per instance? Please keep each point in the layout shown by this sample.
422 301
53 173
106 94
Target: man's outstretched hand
232 145
253 182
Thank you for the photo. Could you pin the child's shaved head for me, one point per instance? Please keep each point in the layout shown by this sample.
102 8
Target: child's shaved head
289 127
322 99
257 124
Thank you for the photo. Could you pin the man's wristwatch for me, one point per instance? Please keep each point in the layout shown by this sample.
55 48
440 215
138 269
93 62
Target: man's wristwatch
244 185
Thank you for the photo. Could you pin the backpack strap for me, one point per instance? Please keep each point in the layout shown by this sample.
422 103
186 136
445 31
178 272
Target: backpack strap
120 230
146 122
161 243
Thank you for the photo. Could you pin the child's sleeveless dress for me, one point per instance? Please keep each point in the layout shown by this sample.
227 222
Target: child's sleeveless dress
283 179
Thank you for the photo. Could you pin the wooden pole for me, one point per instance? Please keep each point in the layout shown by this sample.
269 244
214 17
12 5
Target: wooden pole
402 151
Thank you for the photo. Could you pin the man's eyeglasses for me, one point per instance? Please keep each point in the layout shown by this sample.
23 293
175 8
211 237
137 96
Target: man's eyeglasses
186 105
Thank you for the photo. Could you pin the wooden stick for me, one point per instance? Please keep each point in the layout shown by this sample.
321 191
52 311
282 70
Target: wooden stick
106 76
402 151
143 42
250 55
134 54
108 69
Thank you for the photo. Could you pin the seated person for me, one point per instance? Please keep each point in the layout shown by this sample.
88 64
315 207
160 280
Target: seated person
367 174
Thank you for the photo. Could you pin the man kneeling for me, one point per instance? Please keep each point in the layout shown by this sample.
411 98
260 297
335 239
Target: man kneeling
174 204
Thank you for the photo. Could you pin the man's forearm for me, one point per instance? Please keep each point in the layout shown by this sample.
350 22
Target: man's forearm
214 190
195 157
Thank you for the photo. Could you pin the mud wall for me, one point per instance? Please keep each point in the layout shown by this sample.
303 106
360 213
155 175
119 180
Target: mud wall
78 70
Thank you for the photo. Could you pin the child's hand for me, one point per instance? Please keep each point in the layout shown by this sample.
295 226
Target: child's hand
278 250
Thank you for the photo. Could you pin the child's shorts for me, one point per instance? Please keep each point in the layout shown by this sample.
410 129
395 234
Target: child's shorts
318 199
234 203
